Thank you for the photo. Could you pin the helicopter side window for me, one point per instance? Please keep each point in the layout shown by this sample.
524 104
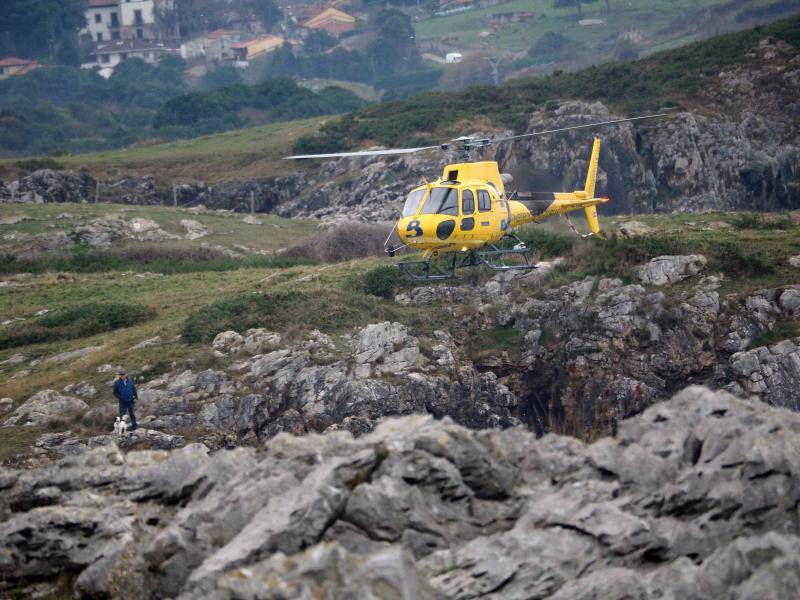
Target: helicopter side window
443 201
413 201
484 201
467 202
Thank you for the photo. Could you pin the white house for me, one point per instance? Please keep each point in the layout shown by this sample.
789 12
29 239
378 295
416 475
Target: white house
108 55
120 20
138 18
102 20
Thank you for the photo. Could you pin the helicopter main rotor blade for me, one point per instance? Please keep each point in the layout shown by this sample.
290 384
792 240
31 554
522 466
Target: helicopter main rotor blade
598 124
363 153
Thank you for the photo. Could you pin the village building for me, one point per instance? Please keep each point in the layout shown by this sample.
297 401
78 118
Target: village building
110 54
16 66
243 52
334 21
108 20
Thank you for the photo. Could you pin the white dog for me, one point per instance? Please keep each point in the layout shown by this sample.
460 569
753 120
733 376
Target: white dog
120 426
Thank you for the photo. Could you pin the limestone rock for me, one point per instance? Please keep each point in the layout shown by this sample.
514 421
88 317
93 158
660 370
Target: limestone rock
227 342
693 498
664 270
82 389
634 228
44 406
194 229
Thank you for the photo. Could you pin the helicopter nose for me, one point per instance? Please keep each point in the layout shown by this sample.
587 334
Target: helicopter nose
408 228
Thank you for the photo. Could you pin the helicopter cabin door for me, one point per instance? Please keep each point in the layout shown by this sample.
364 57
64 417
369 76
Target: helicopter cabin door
487 215
467 223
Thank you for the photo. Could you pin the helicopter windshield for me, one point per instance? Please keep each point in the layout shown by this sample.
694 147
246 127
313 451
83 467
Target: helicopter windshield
443 201
412 203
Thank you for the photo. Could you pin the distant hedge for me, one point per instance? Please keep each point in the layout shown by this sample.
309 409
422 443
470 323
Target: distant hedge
79 321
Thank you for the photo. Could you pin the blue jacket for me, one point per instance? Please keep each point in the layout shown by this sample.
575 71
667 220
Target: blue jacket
125 391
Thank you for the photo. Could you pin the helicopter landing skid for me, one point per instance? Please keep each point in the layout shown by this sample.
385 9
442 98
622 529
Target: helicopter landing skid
420 270
495 258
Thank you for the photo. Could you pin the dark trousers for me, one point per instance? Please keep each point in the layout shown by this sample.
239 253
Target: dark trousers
127 406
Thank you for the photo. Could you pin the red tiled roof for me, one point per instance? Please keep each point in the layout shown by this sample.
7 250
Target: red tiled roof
27 69
16 62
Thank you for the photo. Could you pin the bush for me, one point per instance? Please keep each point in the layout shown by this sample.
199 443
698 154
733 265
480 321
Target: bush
238 313
29 165
343 242
761 221
383 281
547 243
167 260
80 321
735 260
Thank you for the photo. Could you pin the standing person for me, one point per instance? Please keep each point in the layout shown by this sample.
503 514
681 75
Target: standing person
125 392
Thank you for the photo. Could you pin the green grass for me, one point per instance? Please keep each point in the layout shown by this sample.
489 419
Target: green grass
243 153
783 330
227 230
662 25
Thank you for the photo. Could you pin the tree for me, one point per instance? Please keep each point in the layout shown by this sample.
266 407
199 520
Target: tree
319 40
394 48
35 27
576 3
267 12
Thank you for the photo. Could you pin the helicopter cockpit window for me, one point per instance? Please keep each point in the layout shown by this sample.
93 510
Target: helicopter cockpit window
484 202
413 201
442 201
467 202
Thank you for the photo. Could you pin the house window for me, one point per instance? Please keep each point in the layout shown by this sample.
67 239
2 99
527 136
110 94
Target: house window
467 202
124 55
115 35
137 17
140 34
104 58
484 202
98 18
99 36
114 20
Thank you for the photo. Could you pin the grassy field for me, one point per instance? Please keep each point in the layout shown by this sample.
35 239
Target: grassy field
658 24
243 153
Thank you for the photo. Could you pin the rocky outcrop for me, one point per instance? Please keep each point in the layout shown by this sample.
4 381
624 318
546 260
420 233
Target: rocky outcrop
44 406
695 498
772 372
664 270
315 386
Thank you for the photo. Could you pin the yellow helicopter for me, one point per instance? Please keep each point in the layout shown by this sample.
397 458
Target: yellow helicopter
464 215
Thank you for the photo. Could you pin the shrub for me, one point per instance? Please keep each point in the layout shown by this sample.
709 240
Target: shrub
167 260
238 313
79 321
383 281
29 165
547 243
736 260
344 242
761 221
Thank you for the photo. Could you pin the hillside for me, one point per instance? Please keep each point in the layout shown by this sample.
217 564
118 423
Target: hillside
240 154
653 25
194 288
673 78
232 344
